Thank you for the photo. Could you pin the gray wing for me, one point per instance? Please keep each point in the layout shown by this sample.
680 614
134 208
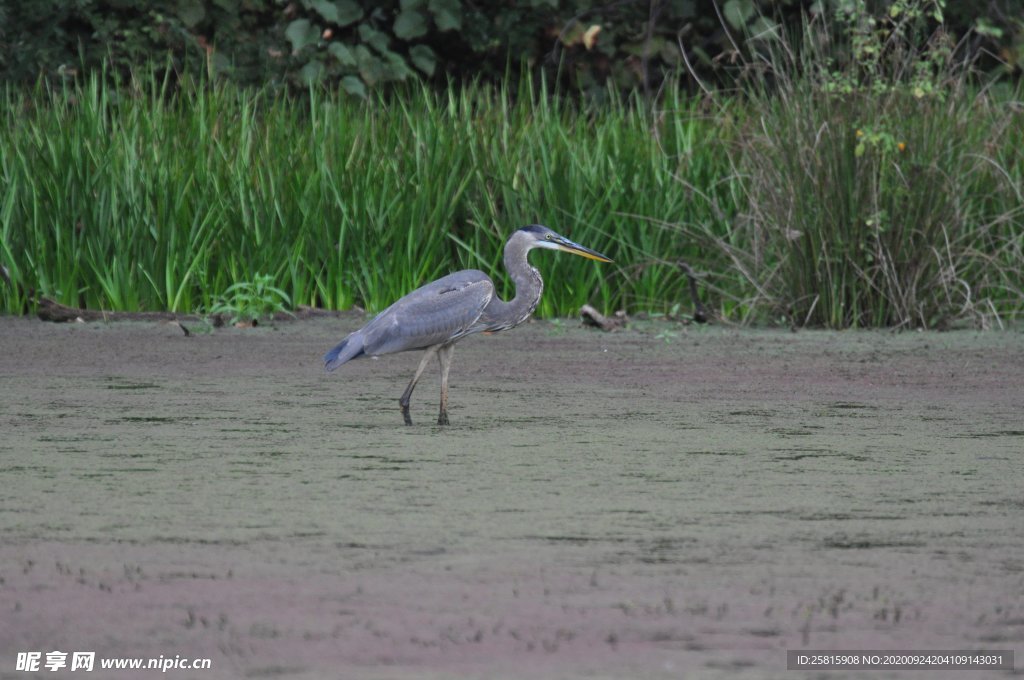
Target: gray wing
442 310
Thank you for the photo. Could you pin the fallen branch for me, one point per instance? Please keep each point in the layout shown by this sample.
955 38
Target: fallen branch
592 317
51 310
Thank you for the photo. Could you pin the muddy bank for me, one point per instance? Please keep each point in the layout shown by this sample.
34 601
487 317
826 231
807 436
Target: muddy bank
665 503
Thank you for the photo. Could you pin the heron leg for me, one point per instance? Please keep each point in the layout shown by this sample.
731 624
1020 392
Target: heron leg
404 401
444 357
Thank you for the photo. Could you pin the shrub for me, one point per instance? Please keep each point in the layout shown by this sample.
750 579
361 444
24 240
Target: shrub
880 190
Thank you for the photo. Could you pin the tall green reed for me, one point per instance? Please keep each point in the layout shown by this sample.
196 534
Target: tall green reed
131 197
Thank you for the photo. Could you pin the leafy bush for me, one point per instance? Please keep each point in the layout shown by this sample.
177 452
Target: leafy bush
361 48
581 45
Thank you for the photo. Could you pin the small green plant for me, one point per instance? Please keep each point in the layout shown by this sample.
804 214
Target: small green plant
667 335
252 300
879 140
557 327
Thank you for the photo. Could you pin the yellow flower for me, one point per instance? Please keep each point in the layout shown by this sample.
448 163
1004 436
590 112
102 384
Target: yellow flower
901 146
860 133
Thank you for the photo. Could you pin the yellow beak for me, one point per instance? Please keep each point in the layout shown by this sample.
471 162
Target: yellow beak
576 249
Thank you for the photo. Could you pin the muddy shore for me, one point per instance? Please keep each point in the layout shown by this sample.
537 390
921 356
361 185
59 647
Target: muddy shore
668 502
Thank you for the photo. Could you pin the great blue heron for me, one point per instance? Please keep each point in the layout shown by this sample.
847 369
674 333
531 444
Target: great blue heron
437 315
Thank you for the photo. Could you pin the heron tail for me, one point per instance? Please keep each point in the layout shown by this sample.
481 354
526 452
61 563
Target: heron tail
349 348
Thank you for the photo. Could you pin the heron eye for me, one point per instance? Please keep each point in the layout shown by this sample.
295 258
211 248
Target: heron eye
547 237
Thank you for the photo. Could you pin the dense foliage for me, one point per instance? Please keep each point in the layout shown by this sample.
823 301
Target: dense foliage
861 172
359 44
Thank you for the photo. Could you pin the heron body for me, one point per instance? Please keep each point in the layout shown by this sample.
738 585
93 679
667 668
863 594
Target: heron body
437 315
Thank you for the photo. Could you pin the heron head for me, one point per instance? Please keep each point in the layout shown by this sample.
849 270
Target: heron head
542 237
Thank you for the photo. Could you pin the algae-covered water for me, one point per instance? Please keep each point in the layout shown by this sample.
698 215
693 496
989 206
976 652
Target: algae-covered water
664 502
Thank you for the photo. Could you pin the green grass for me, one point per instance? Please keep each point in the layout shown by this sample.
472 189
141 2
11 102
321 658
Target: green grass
134 198
128 198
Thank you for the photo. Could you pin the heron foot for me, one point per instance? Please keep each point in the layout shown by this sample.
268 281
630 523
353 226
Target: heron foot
405 413
443 418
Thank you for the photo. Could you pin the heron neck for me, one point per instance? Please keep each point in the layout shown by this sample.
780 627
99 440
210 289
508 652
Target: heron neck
529 286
